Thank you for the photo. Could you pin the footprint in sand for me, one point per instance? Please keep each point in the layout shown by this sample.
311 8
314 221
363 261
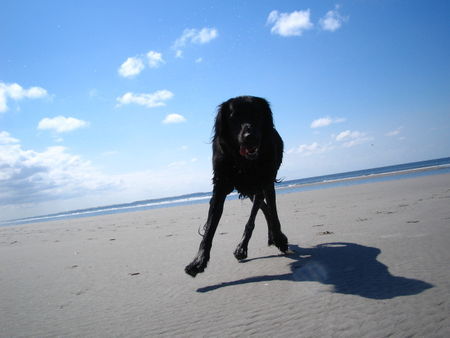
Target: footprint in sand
134 273
322 233
385 212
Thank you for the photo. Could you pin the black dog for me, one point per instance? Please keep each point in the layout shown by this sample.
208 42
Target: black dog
247 152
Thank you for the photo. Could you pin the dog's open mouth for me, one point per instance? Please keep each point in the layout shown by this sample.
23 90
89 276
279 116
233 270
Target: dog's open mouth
249 152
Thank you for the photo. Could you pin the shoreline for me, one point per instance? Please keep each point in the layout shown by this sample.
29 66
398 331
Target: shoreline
186 200
445 167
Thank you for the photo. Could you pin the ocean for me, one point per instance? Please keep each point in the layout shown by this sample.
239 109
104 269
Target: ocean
393 172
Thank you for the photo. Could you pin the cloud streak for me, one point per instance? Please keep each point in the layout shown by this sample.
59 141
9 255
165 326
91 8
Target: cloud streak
61 124
150 100
195 36
325 121
311 149
16 92
352 138
344 139
395 132
174 118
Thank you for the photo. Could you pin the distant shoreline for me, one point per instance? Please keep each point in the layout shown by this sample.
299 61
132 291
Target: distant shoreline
372 175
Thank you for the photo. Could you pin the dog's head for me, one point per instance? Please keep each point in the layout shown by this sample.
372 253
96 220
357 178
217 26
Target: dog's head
241 125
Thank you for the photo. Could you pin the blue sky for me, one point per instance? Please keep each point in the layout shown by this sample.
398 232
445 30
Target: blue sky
106 102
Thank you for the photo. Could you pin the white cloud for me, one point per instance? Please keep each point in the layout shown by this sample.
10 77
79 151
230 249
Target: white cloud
177 164
348 134
344 139
395 132
174 118
179 54
199 60
61 124
16 92
28 176
352 138
182 163
150 100
155 59
49 181
322 122
310 149
131 67
135 65
325 121
93 93
5 138
196 36
109 153
332 21
290 24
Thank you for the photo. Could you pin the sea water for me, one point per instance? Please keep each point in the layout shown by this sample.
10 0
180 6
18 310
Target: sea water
394 172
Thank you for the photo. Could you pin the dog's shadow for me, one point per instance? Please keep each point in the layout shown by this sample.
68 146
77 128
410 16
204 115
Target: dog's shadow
350 268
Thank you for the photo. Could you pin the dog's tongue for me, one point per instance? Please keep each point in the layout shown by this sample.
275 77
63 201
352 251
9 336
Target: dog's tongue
243 151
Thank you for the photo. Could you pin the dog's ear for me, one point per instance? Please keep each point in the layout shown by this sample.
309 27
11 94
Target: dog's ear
221 123
268 116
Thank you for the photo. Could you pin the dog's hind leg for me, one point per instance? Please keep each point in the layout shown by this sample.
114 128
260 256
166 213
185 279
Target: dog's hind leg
241 250
265 210
276 237
215 212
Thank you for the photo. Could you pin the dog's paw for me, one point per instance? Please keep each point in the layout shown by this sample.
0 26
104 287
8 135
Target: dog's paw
197 266
193 269
240 253
281 242
289 252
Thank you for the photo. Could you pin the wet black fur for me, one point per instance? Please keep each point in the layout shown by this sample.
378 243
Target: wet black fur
244 121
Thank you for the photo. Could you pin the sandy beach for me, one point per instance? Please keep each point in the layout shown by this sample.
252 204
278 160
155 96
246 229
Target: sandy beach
370 260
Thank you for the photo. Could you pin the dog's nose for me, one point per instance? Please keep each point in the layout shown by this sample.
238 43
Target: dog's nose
247 132
247 135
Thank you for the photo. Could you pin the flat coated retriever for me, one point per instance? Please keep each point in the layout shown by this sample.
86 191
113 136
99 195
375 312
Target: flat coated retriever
247 152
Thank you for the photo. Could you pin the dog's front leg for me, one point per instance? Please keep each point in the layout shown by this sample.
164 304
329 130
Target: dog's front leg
215 212
241 250
275 235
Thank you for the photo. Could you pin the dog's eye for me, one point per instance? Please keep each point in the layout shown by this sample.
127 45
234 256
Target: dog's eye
233 117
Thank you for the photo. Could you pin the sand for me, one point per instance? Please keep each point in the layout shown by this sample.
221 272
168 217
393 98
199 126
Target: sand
371 260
